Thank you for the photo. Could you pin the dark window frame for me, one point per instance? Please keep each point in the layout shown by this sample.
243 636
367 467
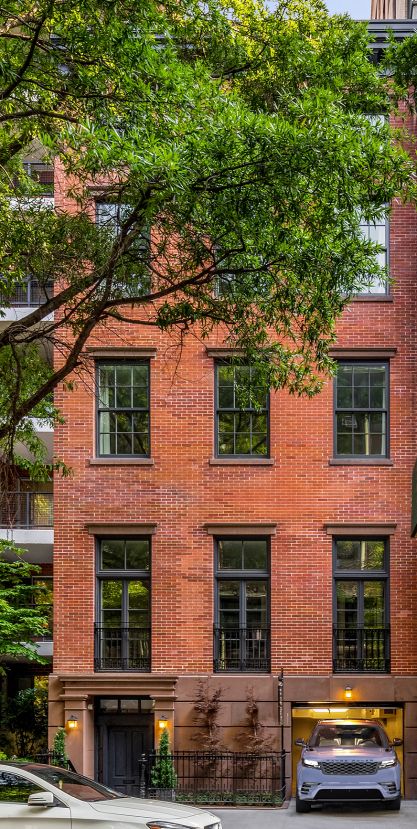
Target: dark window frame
368 363
242 576
98 409
362 576
125 576
387 249
217 411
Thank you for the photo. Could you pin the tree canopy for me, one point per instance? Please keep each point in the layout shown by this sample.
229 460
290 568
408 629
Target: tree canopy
232 152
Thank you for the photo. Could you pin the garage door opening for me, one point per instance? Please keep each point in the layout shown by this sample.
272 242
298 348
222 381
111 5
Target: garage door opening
305 717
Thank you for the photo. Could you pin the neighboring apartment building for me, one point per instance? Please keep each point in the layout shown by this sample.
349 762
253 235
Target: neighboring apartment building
199 540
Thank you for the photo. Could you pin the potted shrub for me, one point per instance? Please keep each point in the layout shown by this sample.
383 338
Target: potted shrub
163 776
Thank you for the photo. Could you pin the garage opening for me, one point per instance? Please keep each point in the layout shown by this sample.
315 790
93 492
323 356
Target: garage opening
304 718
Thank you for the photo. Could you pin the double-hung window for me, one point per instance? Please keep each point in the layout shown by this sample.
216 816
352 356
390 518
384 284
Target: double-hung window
132 274
377 232
361 632
123 409
361 410
123 605
241 635
242 412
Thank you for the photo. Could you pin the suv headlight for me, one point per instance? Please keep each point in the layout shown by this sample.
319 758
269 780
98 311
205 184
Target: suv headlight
384 764
308 762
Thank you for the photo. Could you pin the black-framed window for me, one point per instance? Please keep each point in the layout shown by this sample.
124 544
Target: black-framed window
132 270
242 630
361 409
377 232
361 605
123 416
123 615
242 412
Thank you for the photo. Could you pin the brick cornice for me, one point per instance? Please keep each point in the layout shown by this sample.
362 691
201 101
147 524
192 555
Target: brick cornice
363 528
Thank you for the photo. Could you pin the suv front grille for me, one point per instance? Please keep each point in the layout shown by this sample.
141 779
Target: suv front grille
349 767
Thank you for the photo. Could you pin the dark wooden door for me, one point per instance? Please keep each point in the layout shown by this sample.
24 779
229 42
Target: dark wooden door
120 745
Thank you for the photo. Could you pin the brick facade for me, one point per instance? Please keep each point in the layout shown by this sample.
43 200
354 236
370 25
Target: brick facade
181 491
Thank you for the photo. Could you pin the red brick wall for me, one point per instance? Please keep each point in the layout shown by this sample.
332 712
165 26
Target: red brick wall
300 492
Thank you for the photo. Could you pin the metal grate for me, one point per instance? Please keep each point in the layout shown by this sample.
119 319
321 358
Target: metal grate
361 649
242 649
349 767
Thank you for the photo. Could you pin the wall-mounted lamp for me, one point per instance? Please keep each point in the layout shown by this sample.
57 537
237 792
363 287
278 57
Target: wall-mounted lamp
72 722
348 692
162 722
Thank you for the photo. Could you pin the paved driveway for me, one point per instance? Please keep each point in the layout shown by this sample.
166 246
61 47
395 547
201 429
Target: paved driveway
328 818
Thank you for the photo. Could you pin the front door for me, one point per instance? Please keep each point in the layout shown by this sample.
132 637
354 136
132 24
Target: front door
122 738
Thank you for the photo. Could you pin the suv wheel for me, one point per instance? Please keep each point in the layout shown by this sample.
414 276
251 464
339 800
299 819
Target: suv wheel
394 805
301 805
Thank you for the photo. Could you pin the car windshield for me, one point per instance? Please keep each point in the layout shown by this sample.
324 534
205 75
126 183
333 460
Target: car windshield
348 735
74 784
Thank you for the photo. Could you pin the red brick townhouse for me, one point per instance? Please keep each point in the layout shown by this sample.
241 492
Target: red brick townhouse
204 547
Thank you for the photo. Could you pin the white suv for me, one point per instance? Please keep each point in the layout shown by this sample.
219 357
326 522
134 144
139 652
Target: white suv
348 761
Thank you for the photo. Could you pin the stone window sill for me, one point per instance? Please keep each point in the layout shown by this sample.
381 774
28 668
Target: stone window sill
242 462
121 462
361 462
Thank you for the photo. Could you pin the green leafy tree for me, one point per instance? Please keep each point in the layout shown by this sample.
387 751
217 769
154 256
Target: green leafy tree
163 774
234 144
27 719
60 747
21 619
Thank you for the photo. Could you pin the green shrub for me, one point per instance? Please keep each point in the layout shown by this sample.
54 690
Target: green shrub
163 773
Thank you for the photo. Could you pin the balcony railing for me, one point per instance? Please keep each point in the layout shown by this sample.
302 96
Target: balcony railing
26 510
31 293
242 649
361 650
122 649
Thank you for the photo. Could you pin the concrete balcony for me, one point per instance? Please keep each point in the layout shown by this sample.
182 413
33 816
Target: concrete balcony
26 519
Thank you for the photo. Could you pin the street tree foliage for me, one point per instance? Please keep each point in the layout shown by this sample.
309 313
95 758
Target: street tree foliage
23 616
233 150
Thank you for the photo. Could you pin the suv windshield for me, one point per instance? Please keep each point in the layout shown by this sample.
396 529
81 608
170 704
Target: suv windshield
347 736
74 784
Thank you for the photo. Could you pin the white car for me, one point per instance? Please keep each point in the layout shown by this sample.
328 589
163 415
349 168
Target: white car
34 796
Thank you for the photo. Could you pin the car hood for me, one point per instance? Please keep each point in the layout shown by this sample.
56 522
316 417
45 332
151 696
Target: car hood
146 809
348 753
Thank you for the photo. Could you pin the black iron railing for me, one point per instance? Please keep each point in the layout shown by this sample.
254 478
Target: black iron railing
27 510
361 649
30 293
242 649
122 649
219 778
53 758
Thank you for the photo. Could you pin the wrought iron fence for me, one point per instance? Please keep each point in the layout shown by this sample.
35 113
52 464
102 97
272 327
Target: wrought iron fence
52 758
29 293
27 510
219 778
242 649
122 649
361 649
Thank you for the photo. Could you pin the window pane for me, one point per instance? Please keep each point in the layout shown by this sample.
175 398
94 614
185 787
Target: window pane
124 397
123 375
111 618
112 555
348 555
229 604
374 603
226 397
141 444
360 555
226 423
259 444
243 443
138 595
255 555
137 554
140 375
140 397
256 604
226 444
111 594
230 555
347 603
124 444
361 387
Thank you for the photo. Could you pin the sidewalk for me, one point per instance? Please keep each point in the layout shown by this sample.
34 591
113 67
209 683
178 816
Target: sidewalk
328 818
